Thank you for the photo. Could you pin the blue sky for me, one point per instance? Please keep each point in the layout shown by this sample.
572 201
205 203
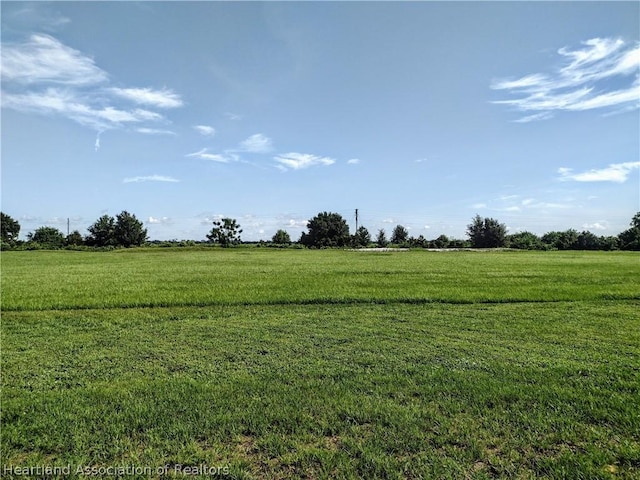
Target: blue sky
421 114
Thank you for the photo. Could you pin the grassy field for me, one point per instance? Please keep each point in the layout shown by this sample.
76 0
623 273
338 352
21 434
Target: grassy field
258 363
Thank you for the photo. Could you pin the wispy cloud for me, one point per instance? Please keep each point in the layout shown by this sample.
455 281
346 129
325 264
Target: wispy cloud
585 81
214 157
164 98
46 77
353 161
154 131
257 143
299 161
69 104
150 178
44 59
205 130
616 172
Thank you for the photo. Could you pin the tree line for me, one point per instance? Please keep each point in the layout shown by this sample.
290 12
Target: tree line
325 230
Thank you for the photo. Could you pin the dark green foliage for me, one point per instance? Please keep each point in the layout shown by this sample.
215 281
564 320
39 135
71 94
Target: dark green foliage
587 241
9 228
102 232
362 237
524 241
419 242
326 230
47 237
74 238
441 242
630 239
486 233
381 239
281 237
566 240
609 243
400 235
129 231
225 232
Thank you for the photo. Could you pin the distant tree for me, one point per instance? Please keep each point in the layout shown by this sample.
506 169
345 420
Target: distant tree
362 238
102 232
630 239
128 230
441 242
587 241
381 239
524 241
281 237
9 228
47 237
74 238
566 240
486 233
400 235
609 243
225 232
419 242
326 230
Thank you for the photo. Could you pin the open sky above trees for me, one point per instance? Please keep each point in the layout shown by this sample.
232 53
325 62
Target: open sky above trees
420 114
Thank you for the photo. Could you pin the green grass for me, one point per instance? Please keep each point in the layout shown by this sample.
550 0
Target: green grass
138 278
324 364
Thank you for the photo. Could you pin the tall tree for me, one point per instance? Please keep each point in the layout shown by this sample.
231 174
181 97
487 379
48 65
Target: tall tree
400 235
128 230
362 238
48 237
381 238
630 239
486 233
226 232
281 237
102 232
9 228
326 230
74 238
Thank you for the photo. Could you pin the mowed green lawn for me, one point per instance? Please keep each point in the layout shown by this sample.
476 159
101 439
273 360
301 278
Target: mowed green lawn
259 363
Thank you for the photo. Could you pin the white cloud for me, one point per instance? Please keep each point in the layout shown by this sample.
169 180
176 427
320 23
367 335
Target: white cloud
150 178
596 226
214 157
292 223
616 172
353 161
205 130
257 143
159 220
298 161
479 205
44 59
66 103
154 131
534 118
164 98
45 77
577 85
233 116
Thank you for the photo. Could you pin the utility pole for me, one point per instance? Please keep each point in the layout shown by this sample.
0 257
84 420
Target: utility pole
67 226
356 220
